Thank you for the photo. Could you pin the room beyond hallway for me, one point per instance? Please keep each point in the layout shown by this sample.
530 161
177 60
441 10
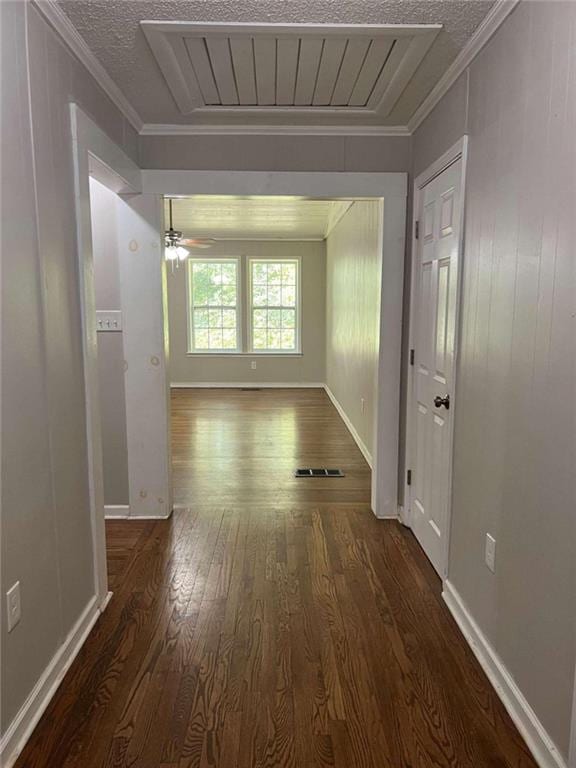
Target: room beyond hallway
271 622
241 446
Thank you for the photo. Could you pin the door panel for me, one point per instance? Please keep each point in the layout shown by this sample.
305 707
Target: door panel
435 318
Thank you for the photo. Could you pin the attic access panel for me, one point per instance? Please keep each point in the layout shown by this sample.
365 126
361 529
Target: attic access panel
266 70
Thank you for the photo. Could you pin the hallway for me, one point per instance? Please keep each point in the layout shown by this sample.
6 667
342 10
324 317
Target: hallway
271 621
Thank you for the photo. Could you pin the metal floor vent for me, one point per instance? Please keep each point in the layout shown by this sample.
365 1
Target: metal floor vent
321 472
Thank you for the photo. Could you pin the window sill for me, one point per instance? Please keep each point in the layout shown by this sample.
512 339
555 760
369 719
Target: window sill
244 354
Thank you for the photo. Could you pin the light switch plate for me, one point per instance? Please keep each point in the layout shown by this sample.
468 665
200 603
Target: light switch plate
109 320
13 606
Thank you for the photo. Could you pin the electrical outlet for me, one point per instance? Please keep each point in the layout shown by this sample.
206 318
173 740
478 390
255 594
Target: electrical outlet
13 606
253 365
490 552
362 404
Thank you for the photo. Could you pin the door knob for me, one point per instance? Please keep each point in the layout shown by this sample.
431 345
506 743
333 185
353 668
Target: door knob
442 401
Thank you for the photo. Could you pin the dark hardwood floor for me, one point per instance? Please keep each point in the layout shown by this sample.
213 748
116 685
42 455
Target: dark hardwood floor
271 622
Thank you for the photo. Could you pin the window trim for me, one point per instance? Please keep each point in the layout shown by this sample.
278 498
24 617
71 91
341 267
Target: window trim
191 350
249 306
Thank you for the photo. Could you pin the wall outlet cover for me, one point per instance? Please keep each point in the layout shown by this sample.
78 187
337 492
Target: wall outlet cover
253 365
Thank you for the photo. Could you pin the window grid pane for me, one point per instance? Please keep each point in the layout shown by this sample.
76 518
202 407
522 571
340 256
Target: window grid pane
214 305
274 305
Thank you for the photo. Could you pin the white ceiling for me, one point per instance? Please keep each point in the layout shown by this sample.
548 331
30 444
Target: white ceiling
112 31
255 218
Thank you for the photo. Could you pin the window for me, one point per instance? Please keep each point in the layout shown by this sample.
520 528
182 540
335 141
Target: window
213 301
274 305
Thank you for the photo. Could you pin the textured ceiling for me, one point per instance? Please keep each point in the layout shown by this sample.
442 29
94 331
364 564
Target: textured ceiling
255 218
112 31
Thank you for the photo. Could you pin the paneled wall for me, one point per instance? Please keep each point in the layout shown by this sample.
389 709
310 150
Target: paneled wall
353 267
276 153
46 533
515 422
309 367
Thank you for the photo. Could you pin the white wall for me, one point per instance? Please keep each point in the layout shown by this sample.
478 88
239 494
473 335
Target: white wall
515 420
309 367
103 204
353 268
276 153
46 530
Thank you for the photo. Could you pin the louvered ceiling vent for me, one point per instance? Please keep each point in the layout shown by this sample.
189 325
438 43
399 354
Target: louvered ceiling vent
229 69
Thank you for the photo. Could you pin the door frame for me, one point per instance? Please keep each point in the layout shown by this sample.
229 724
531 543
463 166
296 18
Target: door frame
458 151
392 188
94 154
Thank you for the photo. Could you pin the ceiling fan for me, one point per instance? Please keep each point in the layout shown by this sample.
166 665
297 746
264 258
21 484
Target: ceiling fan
174 243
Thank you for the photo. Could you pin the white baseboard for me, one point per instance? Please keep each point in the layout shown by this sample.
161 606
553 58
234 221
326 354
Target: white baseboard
20 729
533 732
246 385
122 512
116 511
150 517
358 440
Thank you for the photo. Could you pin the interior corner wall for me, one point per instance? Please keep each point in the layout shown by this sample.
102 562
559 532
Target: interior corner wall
46 521
112 395
353 269
306 368
515 420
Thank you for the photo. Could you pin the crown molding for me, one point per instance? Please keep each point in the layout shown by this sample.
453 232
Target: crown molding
68 32
492 21
159 129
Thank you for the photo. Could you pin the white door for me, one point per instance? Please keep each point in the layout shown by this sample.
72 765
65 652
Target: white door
435 295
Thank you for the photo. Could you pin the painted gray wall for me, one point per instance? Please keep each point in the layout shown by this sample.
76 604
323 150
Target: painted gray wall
46 533
353 267
309 367
515 430
110 347
276 153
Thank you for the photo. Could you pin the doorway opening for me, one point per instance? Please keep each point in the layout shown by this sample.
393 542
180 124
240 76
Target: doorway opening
274 307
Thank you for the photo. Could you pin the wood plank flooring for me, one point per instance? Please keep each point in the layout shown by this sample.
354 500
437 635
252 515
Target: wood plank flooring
272 622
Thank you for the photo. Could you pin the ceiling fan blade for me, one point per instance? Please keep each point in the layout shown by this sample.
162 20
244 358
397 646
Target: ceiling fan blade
197 242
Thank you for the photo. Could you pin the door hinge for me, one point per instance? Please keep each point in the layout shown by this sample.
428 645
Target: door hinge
411 357
417 230
409 477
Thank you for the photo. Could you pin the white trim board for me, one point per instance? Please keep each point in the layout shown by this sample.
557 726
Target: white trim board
92 152
246 385
572 748
116 511
351 428
329 185
531 729
33 708
178 129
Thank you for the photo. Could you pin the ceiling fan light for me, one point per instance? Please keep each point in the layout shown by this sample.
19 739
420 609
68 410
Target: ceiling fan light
182 253
171 253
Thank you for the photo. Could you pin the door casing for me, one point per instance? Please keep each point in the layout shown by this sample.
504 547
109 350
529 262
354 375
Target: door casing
457 151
